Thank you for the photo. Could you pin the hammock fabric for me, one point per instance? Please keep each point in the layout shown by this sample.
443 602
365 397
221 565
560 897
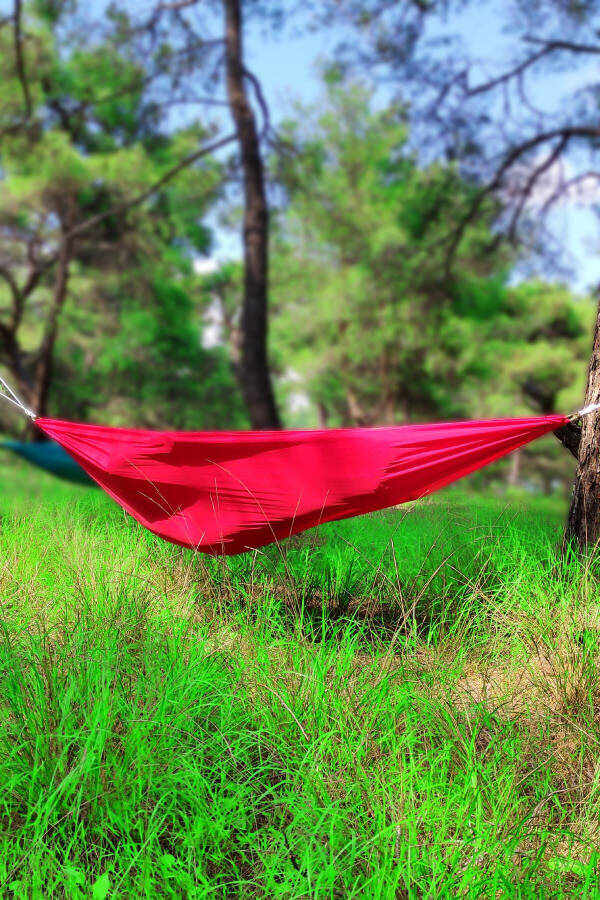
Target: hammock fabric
51 457
226 492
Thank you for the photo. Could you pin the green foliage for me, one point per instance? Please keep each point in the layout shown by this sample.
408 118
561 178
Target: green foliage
149 365
130 331
366 311
360 267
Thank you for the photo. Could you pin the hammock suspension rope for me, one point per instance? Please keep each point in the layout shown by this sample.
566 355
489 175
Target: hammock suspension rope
584 412
8 394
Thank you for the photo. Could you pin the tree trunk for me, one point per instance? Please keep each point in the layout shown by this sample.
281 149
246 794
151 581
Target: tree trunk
14 363
45 361
583 524
356 413
255 377
322 415
515 468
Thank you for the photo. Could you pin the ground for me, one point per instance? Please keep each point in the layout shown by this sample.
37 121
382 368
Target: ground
399 706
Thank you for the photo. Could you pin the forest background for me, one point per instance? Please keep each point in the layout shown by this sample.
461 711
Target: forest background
416 270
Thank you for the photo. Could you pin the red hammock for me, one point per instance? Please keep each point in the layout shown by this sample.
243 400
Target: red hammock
226 492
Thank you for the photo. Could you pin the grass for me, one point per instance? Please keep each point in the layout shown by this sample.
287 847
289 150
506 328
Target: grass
399 706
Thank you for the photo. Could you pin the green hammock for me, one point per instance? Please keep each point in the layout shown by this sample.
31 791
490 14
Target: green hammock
51 457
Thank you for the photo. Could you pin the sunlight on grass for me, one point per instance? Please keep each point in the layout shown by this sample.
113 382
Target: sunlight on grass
402 705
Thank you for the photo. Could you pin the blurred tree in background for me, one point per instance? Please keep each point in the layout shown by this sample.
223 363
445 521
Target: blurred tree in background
364 308
391 290
210 35
97 235
529 150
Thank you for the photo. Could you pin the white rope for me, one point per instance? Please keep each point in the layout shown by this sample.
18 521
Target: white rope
588 409
13 398
592 407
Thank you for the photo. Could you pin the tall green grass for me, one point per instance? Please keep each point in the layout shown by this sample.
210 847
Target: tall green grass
399 706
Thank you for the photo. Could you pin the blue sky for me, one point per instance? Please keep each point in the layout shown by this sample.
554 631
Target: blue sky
287 66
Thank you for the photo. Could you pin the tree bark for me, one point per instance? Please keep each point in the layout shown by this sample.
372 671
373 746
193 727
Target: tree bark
570 434
45 362
256 381
515 469
322 415
583 524
14 362
355 411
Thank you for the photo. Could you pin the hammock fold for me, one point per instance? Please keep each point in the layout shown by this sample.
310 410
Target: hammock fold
227 492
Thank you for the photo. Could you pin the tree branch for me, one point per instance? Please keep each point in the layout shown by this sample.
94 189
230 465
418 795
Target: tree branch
530 184
258 91
508 76
181 4
568 46
135 201
7 275
139 83
566 134
566 186
547 47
